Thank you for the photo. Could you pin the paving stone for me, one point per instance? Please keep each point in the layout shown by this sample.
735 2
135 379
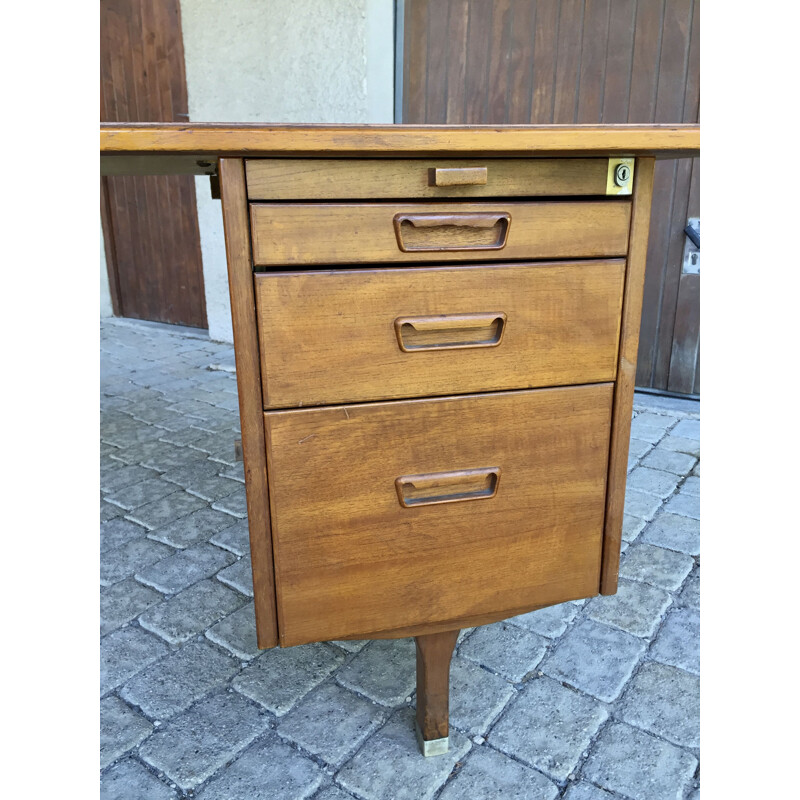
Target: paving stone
681 444
121 728
141 494
655 565
685 504
173 457
637 608
172 685
186 435
130 780
124 561
476 696
185 567
678 641
638 765
690 594
505 649
333 793
194 745
691 486
665 701
641 504
331 722
389 765
696 470
113 480
137 453
669 461
235 538
124 431
269 769
109 512
235 473
650 427
237 633
653 481
125 652
278 678
550 622
117 532
191 611
588 791
631 527
675 532
548 726
194 528
123 602
638 448
384 671
688 429
594 658
161 512
239 576
488 775
351 645
234 504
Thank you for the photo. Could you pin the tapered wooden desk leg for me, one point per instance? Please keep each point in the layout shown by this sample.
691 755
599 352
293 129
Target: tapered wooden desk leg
434 651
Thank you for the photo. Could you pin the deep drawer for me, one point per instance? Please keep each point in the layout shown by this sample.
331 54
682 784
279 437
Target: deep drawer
342 178
392 515
357 335
331 233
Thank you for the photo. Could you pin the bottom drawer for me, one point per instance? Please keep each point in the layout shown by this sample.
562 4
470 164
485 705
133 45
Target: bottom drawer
390 516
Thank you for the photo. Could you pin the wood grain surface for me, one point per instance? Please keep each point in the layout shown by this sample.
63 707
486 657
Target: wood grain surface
351 560
248 378
339 179
330 337
626 374
287 234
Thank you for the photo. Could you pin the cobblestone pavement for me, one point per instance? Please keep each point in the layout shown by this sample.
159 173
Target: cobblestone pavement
591 700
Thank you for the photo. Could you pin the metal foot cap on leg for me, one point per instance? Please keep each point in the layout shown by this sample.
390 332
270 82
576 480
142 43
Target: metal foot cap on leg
432 747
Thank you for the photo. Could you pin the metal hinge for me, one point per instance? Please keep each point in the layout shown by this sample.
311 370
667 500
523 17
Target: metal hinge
620 176
691 247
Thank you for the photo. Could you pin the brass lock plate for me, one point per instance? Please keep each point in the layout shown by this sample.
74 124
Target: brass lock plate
620 176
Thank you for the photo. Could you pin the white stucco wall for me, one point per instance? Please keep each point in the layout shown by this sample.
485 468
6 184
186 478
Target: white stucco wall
106 309
280 61
277 61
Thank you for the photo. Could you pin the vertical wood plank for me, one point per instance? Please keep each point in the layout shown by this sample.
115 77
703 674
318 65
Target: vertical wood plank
434 651
497 102
479 37
415 60
619 61
591 84
568 61
544 62
456 46
626 374
436 94
520 62
248 377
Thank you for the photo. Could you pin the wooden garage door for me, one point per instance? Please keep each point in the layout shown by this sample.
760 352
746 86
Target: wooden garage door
578 61
150 223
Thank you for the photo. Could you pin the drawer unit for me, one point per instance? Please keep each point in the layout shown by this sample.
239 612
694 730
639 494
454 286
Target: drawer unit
388 515
288 234
361 179
374 334
460 307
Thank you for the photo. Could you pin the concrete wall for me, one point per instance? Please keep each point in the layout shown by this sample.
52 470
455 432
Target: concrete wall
278 61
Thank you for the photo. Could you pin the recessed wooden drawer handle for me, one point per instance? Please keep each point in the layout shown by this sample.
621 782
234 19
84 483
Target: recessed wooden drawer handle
447 487
460 176
449 331
440 232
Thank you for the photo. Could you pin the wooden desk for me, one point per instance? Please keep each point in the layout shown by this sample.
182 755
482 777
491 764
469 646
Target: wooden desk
436 332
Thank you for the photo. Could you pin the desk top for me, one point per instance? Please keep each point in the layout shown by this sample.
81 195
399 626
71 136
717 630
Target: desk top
174 148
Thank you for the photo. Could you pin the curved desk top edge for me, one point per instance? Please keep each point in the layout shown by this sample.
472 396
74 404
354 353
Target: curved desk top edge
178 147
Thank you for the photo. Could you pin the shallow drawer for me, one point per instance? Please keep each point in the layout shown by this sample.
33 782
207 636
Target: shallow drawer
387 516
329 233
356 335
339 179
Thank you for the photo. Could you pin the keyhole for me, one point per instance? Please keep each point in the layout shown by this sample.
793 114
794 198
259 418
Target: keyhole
694 259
